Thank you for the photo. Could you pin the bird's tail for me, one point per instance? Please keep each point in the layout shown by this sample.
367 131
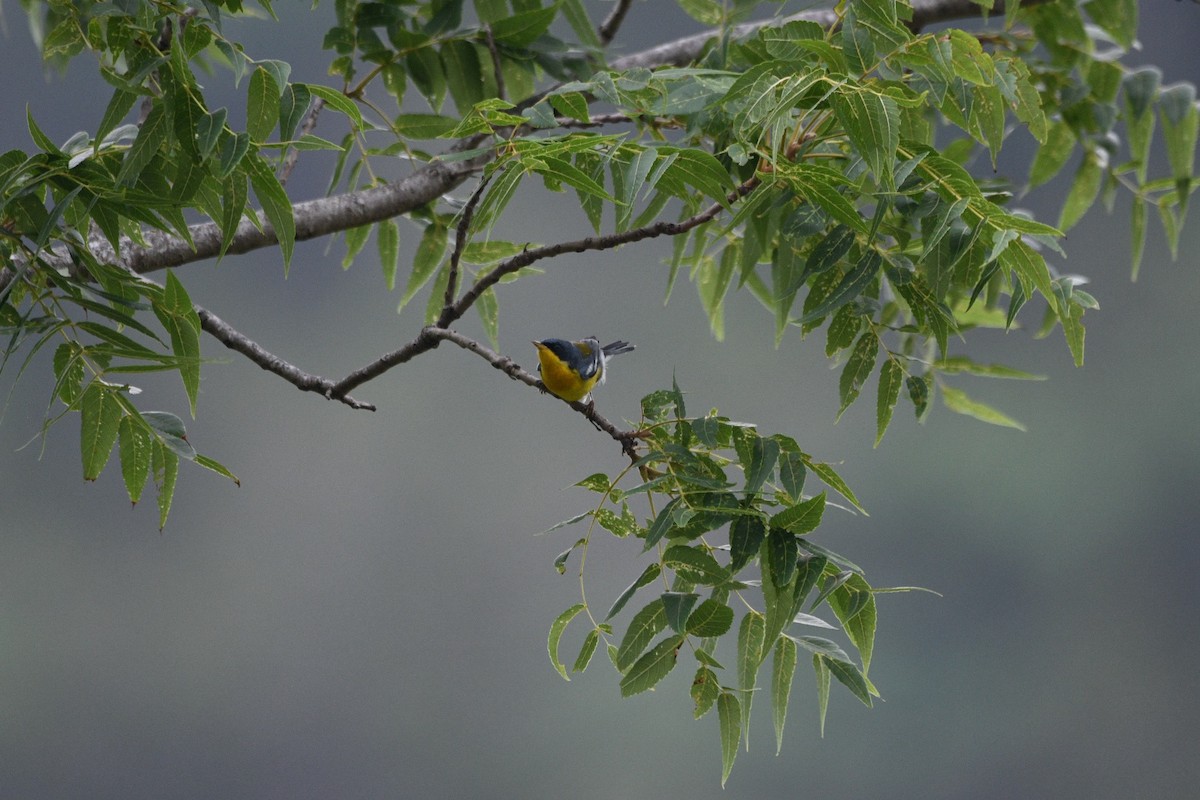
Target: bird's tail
616 348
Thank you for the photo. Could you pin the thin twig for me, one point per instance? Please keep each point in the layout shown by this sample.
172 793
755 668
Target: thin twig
310 122
234 340
627 439
497 69
608 28
460 243
524 259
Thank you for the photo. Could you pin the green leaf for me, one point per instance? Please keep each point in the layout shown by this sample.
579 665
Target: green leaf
217 467
572 105
642 628
424 126
830 477
430 252
957 401
276 205
165 465
758 457
858 368
891 378
1083 192
262 105
822 676
293 105
151 137
712 282
100 419
648 575
850 677
387 236
695 565
854 605
746 534
873 123
710 619
852 284
585 653
750 643
135 447
729 715
792 474
782 671
177 314
652 667
678 607
819 185
556 631
339 102
803 517
961 364
704 691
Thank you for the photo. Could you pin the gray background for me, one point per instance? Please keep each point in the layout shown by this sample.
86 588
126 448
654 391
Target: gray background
366 616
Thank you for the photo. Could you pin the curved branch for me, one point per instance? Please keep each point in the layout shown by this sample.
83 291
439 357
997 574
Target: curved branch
612 23
663 228
627 439
231 338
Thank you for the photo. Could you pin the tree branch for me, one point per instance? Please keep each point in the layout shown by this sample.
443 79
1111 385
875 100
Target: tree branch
524 259
234 340
608 29
627 439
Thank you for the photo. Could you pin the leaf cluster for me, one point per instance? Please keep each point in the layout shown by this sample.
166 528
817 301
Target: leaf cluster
730 532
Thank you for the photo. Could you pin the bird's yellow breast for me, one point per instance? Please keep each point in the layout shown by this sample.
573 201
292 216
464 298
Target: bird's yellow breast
563 381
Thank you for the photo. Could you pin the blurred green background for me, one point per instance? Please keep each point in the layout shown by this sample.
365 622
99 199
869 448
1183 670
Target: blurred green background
366 616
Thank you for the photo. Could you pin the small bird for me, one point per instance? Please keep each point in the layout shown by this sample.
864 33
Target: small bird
570 369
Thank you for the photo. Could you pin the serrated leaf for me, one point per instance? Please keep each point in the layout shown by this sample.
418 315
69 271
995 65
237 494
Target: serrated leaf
100 418
585 653
710 619
872 122
746 534
854 605
792 474
695 565
1083 192
729 715
215 466
858 368
262 105
135 447
704 691
750 643
851 285
165 466
782 671
850 677
556 631
430 251
648 575
652 667
642 628
802 517
276 205
822 678
830 478
758 457
678 607
891 378
387 237
957 401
